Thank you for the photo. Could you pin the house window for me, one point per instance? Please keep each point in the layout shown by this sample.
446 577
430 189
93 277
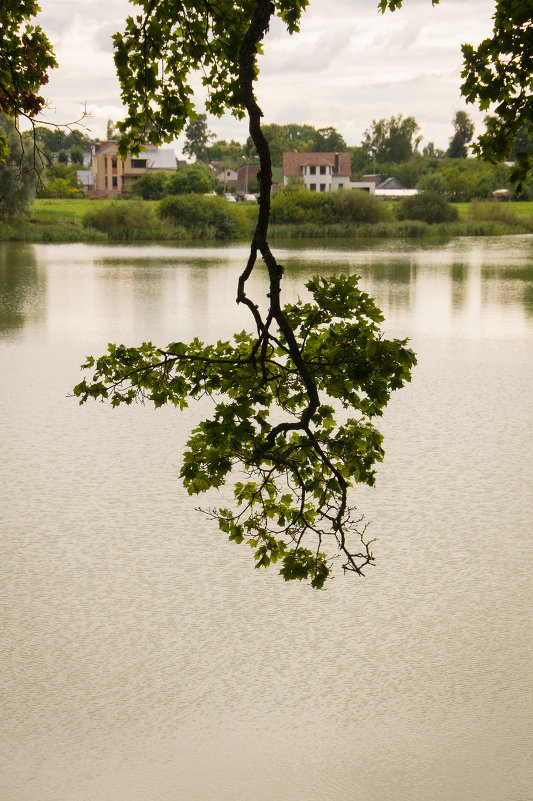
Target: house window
105 162
322 171
138 163
312 170
114 163
115 182
312 187
106 182
341 186
322 187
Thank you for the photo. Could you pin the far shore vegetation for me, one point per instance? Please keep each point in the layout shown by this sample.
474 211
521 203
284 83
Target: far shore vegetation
296 214
455 189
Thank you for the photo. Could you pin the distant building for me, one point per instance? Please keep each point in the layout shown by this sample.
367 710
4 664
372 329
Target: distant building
114 176
247 178
373 178
503 195
228 178
323 172
392 188
85 180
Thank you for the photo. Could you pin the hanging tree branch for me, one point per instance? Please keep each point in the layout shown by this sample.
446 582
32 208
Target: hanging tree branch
294 498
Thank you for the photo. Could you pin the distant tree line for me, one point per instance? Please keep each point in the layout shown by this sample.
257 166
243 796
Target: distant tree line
393 140
389 147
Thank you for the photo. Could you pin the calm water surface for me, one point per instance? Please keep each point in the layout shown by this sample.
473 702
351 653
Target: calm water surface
143 659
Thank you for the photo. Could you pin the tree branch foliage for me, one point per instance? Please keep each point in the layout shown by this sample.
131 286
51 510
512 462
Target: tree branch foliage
162 46
499 73
274 423
26 56
20 170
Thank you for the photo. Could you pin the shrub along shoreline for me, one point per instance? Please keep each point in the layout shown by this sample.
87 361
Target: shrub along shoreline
296 214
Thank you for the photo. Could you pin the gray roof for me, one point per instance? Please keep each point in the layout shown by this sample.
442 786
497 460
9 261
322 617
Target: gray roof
390 183
159 159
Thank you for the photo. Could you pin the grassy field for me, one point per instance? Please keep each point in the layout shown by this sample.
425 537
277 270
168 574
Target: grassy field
48 210
523 208
520 208
72 210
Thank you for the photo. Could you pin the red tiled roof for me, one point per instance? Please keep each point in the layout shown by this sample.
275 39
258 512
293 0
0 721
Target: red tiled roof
293 162
248 169
99 146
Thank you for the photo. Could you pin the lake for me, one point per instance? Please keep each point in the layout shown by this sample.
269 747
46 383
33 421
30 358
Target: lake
144 659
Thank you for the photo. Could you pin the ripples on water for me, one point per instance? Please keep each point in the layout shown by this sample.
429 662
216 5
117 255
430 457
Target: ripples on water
144 658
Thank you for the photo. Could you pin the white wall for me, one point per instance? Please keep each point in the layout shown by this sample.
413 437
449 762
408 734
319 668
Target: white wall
330 182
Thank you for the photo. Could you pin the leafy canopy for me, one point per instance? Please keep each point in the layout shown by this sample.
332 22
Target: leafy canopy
499 73
464 131
168 41
197 138
20 172
26 56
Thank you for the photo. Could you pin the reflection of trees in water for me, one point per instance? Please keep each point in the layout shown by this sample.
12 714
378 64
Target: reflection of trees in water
509 285
389 282
22 286
393 283
393 272
459 275
528 299
459 272
134 286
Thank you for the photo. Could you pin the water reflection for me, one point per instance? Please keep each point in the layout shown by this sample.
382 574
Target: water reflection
22 287
473 284
509 284
469 286
143 658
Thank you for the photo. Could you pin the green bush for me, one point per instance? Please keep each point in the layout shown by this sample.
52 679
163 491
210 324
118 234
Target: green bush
28 231
299 205
295 205
123 220
428 207
203 217
151 186
355 205
59 188
190 178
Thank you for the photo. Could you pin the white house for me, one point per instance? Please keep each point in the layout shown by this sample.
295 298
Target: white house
323 172
227 177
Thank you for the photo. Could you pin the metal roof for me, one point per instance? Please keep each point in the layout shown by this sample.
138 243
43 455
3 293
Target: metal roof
159 159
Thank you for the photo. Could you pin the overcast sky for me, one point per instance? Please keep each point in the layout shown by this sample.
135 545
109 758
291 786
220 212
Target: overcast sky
348 65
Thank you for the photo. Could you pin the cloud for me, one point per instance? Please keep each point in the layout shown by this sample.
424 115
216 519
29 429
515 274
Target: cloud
348 65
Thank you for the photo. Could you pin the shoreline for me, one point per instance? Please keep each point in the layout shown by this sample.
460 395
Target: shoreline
65 220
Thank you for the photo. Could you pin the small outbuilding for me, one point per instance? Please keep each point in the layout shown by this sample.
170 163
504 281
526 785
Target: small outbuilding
392 189
503 195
